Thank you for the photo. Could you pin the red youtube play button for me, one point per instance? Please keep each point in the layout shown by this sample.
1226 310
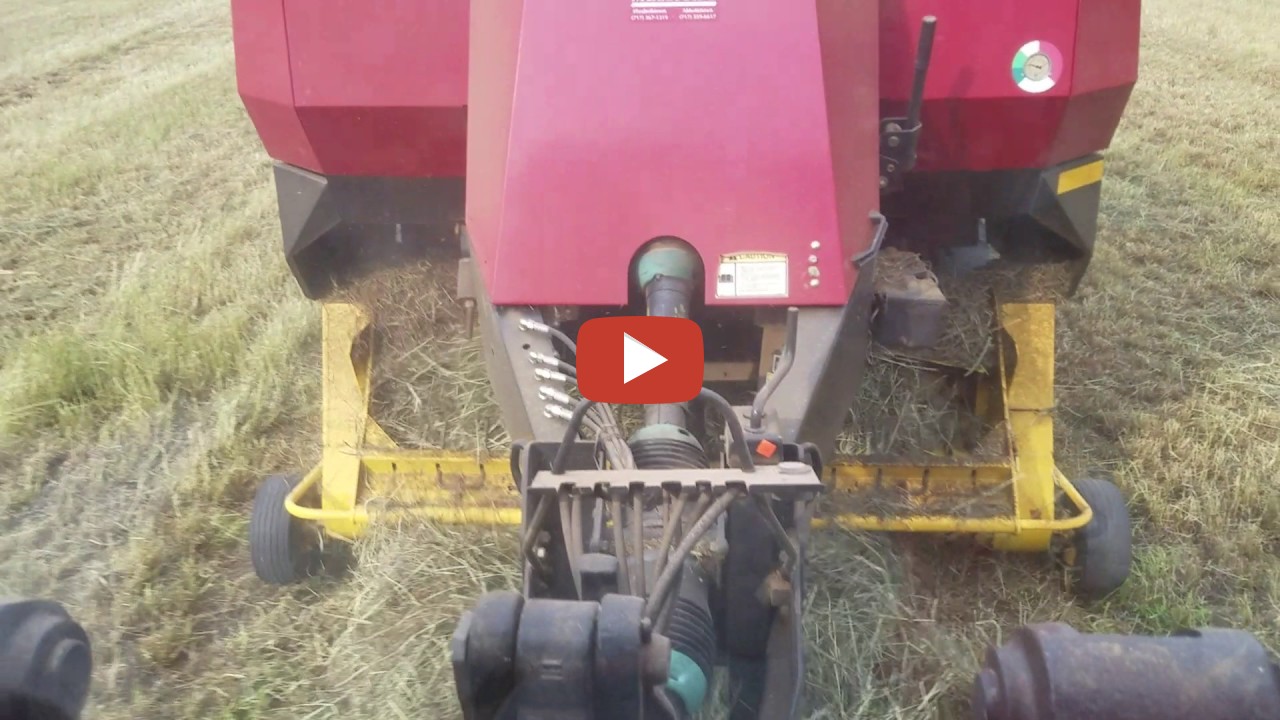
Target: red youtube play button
639 360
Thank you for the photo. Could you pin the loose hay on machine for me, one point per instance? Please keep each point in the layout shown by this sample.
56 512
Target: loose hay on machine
872 242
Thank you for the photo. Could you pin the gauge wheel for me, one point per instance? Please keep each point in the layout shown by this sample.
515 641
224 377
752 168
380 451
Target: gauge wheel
277 540
1100 554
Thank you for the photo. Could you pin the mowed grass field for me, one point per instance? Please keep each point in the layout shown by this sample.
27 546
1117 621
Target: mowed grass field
156 360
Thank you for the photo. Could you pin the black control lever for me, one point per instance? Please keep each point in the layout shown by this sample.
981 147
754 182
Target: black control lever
899 136
924 50
788 359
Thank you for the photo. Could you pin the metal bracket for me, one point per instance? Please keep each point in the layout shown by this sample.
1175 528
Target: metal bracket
898 136
897 151
787 479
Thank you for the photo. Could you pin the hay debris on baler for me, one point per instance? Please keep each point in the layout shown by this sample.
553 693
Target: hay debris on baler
871 213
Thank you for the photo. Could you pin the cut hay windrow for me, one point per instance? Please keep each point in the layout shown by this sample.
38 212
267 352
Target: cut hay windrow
430 390
907 411
916 404
969 329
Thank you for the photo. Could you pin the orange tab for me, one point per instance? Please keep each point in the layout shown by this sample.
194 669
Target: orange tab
766 448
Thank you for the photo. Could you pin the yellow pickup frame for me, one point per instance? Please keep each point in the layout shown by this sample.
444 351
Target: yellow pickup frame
364 476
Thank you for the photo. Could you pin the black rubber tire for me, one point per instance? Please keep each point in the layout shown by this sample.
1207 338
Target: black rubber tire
275 536
1103 547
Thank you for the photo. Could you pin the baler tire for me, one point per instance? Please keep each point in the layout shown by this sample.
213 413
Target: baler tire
1104 546
275 536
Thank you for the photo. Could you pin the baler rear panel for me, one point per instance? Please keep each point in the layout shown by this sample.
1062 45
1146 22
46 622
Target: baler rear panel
975 116
343 88
717 131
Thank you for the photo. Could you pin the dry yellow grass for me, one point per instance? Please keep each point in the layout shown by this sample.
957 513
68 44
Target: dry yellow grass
155 359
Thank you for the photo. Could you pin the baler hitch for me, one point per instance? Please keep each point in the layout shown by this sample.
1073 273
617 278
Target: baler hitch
640 580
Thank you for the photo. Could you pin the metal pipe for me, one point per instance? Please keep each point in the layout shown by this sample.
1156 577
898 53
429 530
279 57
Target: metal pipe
566 532
668 533
735 428
620 545
575 522
455 514
1052 672
788 359
563 367
662 587
556 375
531 530
637 538
570 436
536 326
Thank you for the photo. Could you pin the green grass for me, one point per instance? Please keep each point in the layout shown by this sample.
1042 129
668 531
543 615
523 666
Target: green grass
156 359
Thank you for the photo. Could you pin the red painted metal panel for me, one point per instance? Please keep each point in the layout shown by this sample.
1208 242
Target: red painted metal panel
390 53
716 131
1107 38
381 87
1088 123
849 37
975 116
357 88
494 52
264 82
388 141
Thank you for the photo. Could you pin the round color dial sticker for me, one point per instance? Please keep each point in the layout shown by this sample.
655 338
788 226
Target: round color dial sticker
1037 66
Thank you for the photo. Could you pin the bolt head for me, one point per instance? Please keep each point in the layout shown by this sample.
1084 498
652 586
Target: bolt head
894 141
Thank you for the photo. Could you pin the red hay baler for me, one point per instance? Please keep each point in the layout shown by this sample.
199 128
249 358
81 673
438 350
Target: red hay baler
818 185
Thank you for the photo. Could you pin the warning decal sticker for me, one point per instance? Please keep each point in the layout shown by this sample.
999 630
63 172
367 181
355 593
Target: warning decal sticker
752 275
661 10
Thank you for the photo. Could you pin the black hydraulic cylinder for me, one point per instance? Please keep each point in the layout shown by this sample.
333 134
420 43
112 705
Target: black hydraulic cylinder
1052 672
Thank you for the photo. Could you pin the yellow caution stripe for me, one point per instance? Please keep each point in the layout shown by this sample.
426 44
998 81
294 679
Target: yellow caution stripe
1078 177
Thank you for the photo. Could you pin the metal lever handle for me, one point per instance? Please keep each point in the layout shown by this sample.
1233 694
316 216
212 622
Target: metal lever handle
924 50
788 358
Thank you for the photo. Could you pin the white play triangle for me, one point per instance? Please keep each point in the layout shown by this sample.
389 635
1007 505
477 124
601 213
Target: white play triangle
637 358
